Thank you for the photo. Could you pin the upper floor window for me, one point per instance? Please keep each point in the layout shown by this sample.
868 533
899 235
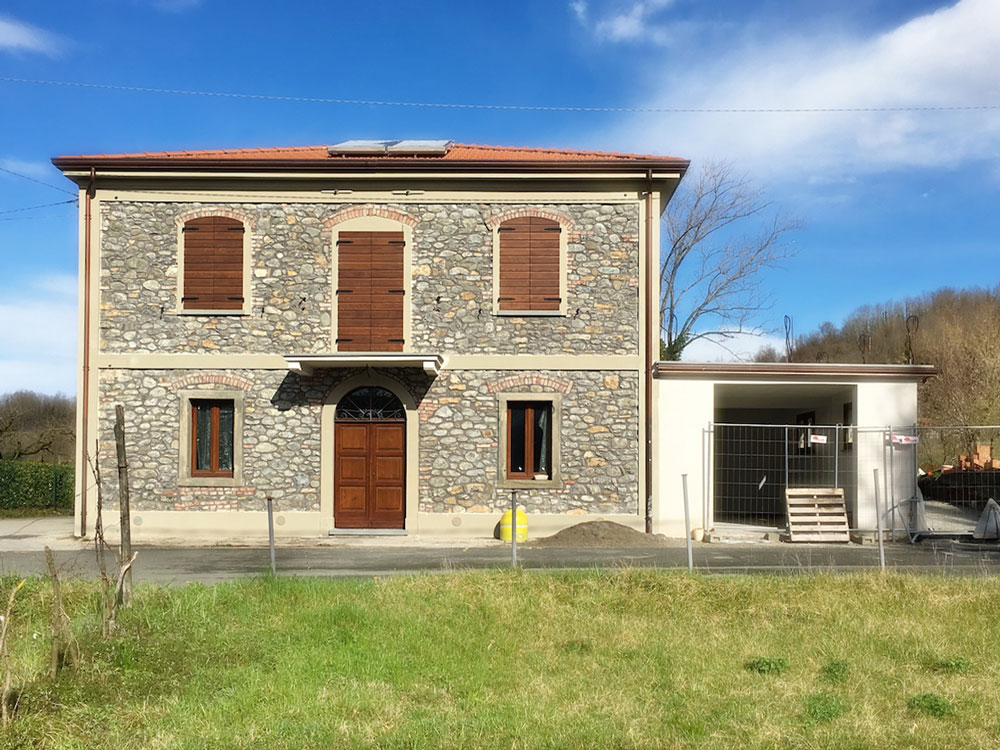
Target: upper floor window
530 265
213 264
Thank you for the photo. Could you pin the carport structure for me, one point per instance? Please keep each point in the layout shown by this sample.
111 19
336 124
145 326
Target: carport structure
744 433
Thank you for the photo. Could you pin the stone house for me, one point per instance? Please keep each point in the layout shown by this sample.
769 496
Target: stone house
381 336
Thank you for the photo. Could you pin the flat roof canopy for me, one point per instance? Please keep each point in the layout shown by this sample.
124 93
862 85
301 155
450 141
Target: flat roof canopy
789 371
307 364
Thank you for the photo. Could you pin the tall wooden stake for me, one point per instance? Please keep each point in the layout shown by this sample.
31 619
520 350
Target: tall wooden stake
123 504
64 647
6 709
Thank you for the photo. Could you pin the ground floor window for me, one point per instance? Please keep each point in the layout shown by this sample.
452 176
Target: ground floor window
529 440
210 437
212 429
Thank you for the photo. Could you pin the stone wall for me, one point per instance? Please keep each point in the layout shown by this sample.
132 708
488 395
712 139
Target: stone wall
458 416
599 463
291 281
281 445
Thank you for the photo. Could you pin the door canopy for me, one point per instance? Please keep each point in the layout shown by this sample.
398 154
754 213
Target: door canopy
370 404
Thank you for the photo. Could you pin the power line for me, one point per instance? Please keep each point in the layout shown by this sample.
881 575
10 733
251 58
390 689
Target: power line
40 182
32 208
508 107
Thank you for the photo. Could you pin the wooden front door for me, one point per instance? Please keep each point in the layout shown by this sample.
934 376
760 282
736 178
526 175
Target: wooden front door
370 476
370 461
370 292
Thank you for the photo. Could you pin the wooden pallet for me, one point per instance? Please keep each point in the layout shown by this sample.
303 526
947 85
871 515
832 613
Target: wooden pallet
817 515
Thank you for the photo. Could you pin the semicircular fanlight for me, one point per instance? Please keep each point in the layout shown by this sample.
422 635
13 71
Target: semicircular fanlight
370 404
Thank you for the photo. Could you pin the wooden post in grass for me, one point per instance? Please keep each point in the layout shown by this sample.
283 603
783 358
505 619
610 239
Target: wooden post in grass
64 647
878 526
687 523
123 505
6 709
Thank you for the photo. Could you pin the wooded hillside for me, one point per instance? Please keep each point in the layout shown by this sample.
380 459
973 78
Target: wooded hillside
36 427
958 331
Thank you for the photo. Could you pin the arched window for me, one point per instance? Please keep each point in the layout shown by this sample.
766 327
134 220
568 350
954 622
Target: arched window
529 264
213 264
370 404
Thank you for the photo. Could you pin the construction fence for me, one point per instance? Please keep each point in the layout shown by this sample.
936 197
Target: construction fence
925 481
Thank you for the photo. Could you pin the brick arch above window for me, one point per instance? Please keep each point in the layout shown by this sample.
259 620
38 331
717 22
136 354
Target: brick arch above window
364 210
526 380
193 380
246 218
564 221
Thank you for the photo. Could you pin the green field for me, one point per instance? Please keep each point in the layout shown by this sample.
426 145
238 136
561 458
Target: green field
626 658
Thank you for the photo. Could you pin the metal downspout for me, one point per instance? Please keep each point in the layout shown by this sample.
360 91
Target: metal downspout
85 395
650 341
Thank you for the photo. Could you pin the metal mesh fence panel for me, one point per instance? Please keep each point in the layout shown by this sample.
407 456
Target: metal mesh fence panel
751 466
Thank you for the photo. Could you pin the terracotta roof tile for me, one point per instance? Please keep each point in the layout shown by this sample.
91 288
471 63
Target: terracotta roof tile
458 152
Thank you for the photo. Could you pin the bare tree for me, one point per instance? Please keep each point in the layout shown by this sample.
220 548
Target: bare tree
722 235
111 583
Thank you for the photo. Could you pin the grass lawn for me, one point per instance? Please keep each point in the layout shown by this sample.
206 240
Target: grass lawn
626 658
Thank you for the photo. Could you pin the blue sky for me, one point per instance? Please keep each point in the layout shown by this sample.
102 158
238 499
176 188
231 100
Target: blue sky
892 204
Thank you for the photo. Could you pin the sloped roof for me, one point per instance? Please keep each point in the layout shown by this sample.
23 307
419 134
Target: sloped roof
320 156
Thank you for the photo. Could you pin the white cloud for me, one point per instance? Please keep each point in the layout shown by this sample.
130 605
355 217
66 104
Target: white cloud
35 169
740 347
945 58
58 376
17 36
38 337
634 23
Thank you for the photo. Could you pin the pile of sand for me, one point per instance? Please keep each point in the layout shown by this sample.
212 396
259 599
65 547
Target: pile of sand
600 534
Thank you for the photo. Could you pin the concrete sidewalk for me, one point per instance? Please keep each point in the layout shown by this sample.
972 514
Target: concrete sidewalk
34 534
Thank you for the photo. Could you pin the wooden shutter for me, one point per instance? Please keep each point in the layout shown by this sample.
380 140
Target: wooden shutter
370 293
529 264
388 294
213 264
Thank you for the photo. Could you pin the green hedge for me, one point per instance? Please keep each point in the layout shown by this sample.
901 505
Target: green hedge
24 484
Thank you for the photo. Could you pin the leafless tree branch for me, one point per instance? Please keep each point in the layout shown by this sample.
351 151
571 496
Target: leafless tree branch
712 272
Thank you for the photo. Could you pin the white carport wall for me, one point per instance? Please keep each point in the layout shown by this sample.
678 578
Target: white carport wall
699 407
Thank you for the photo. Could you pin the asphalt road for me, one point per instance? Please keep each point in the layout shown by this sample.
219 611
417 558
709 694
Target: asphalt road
213 564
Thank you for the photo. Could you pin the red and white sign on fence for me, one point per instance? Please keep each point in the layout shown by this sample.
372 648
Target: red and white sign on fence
905 439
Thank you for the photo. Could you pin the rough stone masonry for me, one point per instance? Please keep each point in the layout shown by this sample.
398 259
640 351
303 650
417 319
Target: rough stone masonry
291 297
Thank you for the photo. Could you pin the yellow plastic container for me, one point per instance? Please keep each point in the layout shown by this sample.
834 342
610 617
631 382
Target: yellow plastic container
522 526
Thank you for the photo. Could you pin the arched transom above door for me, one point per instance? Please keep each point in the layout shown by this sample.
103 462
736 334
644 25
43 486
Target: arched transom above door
370 404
